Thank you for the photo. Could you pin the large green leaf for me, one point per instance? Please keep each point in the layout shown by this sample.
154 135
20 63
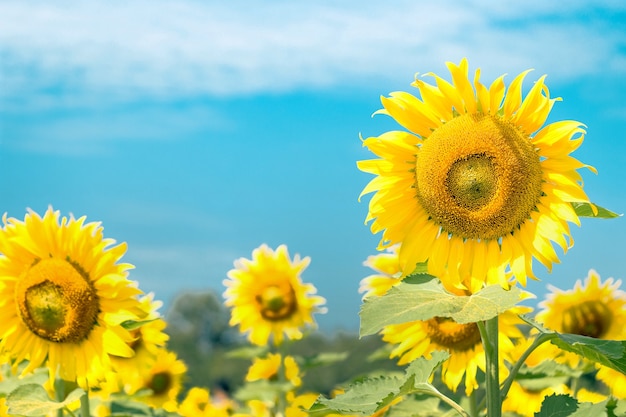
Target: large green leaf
372 394
32 400
562 405
586 210
421 297
609 353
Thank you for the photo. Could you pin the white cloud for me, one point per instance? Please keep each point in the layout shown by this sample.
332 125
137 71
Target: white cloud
163 48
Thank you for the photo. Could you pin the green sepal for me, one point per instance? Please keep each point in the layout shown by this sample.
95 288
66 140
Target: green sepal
587 210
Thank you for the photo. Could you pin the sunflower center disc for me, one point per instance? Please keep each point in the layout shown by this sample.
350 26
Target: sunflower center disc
478 177
590 318
56 302
160 383
446 332
277 303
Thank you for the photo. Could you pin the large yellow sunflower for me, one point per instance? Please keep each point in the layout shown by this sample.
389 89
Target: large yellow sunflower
593 308
63 296
476 187
268 298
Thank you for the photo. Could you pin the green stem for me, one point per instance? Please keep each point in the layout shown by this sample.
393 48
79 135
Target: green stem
84 405
540 339
489 336
473 404
449 401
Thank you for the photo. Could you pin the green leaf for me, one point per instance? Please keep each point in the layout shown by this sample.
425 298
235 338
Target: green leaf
135 324
558 405
421 297
363 397
372 394
32 400
605 352
585 210
247 352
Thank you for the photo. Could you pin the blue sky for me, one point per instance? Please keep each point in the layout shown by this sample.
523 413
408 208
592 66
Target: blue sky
197 130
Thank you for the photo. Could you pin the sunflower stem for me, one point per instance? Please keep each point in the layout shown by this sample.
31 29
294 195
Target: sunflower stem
540 339
84 405
489 336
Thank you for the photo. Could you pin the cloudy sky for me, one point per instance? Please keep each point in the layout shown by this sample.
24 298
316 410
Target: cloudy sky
197 130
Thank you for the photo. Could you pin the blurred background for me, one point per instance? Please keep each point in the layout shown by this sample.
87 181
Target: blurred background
197 130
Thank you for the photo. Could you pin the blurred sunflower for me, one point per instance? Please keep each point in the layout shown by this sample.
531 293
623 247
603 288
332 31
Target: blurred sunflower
147 340
268 369
387 273
164 381
614 380
63 296
477 187
198 403
526 400
593 308
268 298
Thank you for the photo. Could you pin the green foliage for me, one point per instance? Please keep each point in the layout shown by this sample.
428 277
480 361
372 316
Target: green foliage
422 296
586 210
562 405
609 353
370 395
32 400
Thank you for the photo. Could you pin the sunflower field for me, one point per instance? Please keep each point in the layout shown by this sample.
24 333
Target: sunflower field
467 194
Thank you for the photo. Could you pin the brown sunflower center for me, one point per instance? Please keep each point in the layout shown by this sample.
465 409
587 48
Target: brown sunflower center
57 301
478 176
277 303
452 335
160 383
590 318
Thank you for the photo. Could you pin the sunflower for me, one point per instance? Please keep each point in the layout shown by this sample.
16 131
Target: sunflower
268 298
198 403
593 308
526 401
614 380
387 273
63 296
420 338
268 369
127 373
163 381
476 187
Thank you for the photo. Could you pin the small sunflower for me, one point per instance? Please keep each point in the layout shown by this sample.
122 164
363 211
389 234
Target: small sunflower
198 403
147 340
268 369
476 187
268 298
64 296
164 380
